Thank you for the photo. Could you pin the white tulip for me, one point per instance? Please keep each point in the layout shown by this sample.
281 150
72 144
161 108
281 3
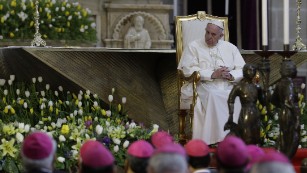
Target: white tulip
75 112
108 113
80 104
5 92
116 148
81 92
113 90
132 125
19 137
12 77
302 126
107 123
10 82
61 88
47 87
126 144
95 103
50 103
80 112
74 153
40 79
18 91
99 129
2 82
21 125
61 159
34 80
80 97
95 96
156 126
27 93
110 98
67 102
303 86
62 138
116 141
27 128
25 105
88 92
124 100
56 93
43 93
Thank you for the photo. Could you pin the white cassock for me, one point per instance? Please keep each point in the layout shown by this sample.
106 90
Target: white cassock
211 109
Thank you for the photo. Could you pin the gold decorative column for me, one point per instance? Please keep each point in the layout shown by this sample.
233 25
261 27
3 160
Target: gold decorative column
298 45
37 41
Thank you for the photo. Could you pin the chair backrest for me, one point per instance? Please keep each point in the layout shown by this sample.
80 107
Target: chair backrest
192 27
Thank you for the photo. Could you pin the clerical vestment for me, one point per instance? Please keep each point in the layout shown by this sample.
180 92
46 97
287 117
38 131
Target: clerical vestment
211 109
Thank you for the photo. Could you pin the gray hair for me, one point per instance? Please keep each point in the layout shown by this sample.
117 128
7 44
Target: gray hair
167 163
272 167
41 164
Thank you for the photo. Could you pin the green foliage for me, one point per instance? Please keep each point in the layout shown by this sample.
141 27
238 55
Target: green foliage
59 20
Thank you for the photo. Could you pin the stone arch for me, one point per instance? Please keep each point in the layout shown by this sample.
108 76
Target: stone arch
152 24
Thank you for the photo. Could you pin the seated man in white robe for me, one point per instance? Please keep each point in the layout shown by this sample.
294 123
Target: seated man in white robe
220 65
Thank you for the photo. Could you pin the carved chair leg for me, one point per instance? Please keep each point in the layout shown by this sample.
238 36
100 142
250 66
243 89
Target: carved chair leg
182 119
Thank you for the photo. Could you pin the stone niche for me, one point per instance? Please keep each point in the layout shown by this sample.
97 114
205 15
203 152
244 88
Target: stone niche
119 16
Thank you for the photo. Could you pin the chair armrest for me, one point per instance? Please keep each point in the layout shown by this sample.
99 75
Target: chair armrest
194 79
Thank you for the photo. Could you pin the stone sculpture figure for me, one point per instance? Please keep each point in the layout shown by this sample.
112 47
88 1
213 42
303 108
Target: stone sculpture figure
137 36
248 127
285 98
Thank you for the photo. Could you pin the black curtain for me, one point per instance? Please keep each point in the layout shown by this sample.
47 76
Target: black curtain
249 24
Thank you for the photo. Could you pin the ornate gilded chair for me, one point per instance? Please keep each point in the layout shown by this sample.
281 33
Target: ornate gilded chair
189 28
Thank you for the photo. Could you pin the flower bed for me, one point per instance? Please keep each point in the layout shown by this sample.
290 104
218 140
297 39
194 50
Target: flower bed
70 118
59 20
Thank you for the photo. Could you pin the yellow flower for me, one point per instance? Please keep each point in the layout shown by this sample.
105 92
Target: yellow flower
8 129
51 109
13 111
12 35
31 23
21 101
268 127
77 102
68 24
57 111
6 110
7 147
45 36
49 16
262 133
60 102
31 110
103 112
265 118
12 12
67 13
84 13
264 111
2 19
4 100
119 107
13 3
65 129
1 6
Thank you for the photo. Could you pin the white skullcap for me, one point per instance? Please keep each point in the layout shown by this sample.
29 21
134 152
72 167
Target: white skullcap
217 23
